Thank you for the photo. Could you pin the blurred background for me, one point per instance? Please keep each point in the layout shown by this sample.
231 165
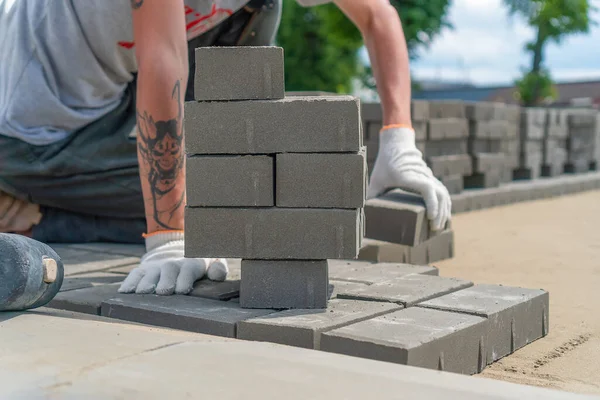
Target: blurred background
528 52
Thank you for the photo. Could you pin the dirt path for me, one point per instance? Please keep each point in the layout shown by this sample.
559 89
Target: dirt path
550 244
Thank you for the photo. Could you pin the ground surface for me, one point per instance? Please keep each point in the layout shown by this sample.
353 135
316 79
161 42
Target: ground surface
550 244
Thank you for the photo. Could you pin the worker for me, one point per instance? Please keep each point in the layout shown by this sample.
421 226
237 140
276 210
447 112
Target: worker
91 119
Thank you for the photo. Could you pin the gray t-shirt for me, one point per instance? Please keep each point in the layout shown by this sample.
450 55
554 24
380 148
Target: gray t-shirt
64 64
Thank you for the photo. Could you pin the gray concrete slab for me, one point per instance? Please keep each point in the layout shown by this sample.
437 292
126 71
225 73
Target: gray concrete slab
281 284
406 290
303 328
230 181
369 273
85 300
239 73
208 289
187 313
78 261
335 287
321 180
90 279
515 316
415 336
81 354
272 233
319 124
397 217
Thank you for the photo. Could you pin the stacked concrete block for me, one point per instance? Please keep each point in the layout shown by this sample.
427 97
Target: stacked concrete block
555 143
276 181
399 231
531 143
446 149
581 141
491 143
596 158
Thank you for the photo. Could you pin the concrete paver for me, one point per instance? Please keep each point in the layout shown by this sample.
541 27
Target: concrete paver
79 261
368 272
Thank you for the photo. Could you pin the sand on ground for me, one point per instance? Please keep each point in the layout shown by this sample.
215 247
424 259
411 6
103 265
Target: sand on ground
550 244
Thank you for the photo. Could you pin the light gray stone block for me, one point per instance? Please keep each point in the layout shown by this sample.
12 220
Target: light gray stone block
415 336
447 128
397 217
86 300
454 183
336 286
447 109
283 284
515 316
419 110
319 124
303 328
208 289
420 128
371 112
407 290
272 233
74 282
321 180
483 180
459 164
481 111
229 181
211 317
239 73
488 162
369 273
78 261
445 147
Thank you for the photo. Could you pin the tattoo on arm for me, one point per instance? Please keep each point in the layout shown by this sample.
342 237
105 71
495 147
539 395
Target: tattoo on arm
161 146
135 4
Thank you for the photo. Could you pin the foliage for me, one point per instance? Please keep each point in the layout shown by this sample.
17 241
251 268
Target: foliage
553 21
321 45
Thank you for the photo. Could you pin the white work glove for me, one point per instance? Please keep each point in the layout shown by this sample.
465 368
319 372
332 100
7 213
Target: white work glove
400 165
164 270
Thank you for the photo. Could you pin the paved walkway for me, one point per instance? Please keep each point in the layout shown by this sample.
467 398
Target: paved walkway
61 355
551 244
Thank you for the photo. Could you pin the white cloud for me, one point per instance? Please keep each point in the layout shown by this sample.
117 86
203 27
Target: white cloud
486 46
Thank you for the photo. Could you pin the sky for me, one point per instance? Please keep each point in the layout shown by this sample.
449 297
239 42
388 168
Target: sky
486 48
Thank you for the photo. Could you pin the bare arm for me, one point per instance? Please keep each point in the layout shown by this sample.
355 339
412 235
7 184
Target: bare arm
384 38
161 51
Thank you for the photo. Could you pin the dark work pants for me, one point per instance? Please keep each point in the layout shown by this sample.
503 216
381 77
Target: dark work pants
88 184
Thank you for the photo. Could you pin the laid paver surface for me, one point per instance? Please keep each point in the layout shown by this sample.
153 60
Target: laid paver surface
55 354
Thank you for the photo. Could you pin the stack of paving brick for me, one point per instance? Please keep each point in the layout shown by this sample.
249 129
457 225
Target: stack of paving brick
372 120
531 143
277 181
512 114
581 141
555 143
398 230
490 139
446 149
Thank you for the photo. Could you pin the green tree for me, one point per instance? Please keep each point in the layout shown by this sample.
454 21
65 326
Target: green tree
553 20
321 45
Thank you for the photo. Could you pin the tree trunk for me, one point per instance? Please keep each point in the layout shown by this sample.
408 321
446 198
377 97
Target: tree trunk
536 67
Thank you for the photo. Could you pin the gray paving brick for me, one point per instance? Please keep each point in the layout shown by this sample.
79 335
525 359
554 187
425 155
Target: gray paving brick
419 110
272 233
397 217
415 336
407 290
336 286
420 128
212 317
483 180
460 202
134 250
485 145
303 328
447 109
488 162
372 149
515 316
85 300
78 261
488 129
230 181
239 73
284 284
446 147
371 112
369 273
292 125
481 111
321 180
74 282
208 289
511 113
576 167
454 183
458 164
447 128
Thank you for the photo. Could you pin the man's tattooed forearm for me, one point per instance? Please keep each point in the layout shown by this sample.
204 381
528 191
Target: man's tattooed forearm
135 4
161 146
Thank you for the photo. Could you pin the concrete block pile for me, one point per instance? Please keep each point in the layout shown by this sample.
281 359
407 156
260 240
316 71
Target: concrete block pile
276 181
447 139
531 143
555 143
581 140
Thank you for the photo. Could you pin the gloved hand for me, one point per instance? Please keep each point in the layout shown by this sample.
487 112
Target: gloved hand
164 270
400 164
